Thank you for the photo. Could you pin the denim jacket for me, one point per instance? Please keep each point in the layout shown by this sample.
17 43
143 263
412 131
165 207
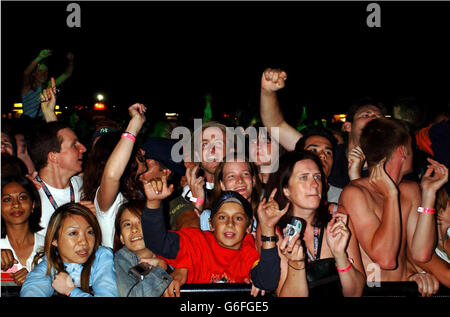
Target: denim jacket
102 279
153 285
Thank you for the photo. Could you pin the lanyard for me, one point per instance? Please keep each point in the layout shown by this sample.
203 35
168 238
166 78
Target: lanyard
50 196
316 245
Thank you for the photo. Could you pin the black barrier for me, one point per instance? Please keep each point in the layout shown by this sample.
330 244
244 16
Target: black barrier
385 289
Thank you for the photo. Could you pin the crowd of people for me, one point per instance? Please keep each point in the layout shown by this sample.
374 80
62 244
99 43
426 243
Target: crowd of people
123 217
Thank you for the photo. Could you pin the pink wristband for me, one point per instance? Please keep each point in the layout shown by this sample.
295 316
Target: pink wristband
426 210
347 268
128 136
197 200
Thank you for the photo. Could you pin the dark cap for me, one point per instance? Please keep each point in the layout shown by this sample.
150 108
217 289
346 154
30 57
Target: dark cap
159 149
232 196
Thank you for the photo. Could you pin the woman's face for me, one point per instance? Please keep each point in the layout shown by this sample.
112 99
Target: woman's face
260 150
305 185
76 240
16 204
131 231
237 177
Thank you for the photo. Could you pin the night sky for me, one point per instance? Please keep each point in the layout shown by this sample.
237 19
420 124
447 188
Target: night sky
169 55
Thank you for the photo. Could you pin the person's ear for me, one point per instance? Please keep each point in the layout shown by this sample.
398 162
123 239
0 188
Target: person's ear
52 157
222 186
122 240
55 243
286 192
211 225
347 126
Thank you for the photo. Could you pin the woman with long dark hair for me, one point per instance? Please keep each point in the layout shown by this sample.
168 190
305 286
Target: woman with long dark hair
74 264
300 182
21 214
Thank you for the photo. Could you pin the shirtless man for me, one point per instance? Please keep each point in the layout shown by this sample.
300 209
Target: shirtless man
384 207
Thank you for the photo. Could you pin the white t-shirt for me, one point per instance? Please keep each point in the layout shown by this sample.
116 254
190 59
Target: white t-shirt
107 218
38 246
61 196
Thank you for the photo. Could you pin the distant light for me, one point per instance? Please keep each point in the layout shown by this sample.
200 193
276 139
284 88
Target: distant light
57 107
171 114
18 105
340 117
99 106
388 116
100 97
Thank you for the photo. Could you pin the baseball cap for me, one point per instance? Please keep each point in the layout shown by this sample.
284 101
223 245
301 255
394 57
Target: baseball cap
159 149
232 196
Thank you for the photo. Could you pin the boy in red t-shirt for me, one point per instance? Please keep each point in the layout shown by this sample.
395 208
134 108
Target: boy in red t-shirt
227 254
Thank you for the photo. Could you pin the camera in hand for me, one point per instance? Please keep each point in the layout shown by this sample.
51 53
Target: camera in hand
141 270
293 227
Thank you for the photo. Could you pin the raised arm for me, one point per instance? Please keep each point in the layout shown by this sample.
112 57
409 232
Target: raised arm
48 102
344 247
379 236
421 231
266 274
118 160
156 236
68 72
272 80
26 85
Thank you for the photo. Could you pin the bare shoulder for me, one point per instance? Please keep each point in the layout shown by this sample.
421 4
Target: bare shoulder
409 189
355 194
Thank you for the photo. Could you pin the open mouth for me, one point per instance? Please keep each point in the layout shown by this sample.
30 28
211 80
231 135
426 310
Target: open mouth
229 235
136 239
83 253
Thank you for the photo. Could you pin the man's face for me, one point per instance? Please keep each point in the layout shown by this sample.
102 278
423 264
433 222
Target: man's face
70 157
213 147
362 116
322 147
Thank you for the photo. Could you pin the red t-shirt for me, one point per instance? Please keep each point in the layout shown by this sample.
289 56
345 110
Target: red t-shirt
208 262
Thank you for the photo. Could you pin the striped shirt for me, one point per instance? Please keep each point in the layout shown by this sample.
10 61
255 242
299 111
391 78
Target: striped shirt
32 103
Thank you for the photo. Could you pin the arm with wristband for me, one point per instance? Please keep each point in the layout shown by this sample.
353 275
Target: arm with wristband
118 160
27 79
421 229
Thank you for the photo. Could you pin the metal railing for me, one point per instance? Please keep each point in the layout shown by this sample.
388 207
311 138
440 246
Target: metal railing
385 289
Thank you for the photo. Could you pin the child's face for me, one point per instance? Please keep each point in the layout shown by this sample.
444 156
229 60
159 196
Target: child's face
131 231
76 240
230 225
16 204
